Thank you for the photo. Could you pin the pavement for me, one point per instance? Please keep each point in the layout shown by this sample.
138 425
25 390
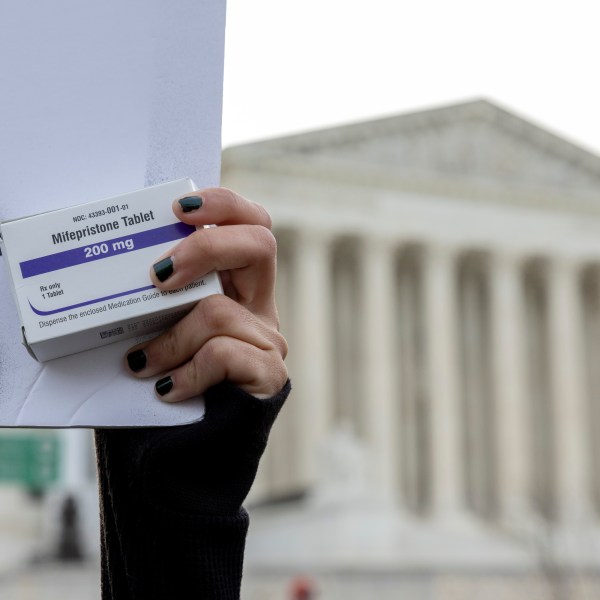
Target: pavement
52 581
26 570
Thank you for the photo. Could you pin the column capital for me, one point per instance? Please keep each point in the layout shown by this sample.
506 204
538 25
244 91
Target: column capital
434 250
323 238
385 245
565 267
507 257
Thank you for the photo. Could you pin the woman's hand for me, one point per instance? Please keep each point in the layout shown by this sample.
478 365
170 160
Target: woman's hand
230 337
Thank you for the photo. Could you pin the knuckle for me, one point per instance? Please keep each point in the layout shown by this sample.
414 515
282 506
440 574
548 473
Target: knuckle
284 349
216 352
263 215
168 343
241 205
217 312
283 374
280 344
236 201
275 375
265 240
201 243
193 370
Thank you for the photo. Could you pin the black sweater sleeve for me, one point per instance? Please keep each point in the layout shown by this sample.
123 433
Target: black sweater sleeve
172 522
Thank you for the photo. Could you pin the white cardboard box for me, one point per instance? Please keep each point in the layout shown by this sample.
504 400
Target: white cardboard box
80 274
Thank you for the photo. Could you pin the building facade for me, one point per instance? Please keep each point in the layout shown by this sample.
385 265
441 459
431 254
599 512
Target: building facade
439 286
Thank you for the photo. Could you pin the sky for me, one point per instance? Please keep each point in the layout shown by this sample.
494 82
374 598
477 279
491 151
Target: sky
297 65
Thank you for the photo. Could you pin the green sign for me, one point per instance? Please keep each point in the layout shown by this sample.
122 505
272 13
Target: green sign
29 459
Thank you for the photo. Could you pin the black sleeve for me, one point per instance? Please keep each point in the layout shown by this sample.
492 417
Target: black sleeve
172 522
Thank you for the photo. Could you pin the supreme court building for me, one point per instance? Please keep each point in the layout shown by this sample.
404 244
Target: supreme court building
439 286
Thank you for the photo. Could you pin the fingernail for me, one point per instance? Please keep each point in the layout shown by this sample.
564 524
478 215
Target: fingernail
136 360
163 269
164 386
190 203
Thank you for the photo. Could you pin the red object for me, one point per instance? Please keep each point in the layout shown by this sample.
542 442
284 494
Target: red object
302 589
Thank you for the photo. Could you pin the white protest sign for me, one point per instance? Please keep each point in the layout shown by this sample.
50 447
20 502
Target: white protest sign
99 99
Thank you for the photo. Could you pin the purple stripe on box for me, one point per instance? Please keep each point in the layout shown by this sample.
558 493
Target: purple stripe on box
78 256
45 313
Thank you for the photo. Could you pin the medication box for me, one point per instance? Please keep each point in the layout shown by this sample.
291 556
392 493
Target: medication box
80 274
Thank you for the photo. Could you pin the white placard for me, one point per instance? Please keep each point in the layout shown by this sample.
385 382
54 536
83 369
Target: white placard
100 99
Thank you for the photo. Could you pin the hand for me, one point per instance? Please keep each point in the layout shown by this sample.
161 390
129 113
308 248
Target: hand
232 337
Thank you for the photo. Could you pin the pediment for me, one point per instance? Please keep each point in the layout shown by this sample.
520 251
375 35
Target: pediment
476 140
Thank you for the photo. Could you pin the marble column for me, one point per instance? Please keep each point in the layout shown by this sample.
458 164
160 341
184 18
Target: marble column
440 305
592 356
573 500
510 389
380 396
311 330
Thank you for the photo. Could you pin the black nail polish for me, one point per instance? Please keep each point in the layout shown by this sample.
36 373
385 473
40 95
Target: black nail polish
136 360
163 269
190 203
164 386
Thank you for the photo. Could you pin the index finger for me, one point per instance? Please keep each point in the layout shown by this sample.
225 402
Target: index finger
220 206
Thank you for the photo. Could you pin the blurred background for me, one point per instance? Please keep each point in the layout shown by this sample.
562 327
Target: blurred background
432 171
